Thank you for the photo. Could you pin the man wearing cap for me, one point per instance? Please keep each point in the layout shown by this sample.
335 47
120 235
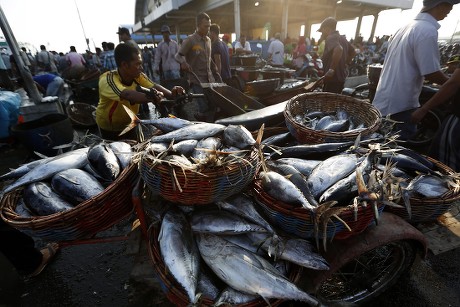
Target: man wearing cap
338 52
164 55
125 36
412 57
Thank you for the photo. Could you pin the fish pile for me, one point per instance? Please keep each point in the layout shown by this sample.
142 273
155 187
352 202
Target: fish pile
57 184
197 146
352 175
338 121
229 254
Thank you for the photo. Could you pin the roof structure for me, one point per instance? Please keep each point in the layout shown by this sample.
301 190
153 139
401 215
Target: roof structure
235 16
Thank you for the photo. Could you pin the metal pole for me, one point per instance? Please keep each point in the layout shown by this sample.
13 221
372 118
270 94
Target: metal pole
79 17
29 83
237 18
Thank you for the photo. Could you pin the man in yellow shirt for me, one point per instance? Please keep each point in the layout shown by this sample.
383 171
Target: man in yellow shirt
118 88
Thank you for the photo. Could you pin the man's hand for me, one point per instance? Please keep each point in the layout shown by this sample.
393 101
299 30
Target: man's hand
177 91
329 74
418 115
185 66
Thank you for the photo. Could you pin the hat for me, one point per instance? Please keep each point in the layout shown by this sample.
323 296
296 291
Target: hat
225 37
429 4
123 31
165 28
329 22
454 59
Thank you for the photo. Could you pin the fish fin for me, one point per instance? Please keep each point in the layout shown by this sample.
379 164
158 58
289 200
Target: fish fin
406 198
376 212
266 301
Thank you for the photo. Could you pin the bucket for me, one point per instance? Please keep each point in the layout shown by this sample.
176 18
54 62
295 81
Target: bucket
44 133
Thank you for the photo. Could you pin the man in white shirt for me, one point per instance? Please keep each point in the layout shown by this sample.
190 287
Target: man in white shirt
412 57
276 51
242 46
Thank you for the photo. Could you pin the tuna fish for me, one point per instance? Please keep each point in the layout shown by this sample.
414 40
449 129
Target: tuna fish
247 272
22 210
184 147
281 188
232 297
305 167
190 132
238 136
222 222
76 185
104 161
23 169
179 252
40 198
123 152
74 159
205 147
427 186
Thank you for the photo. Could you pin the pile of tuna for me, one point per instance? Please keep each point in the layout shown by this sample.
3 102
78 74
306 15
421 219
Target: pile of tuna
229 254
338 121
57 184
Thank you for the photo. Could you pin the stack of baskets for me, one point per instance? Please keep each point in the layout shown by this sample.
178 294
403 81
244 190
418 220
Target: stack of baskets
190 187
429 209
299 222
175 292
85 220
362 113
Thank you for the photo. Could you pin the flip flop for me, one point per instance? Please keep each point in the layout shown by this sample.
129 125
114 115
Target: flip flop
48 254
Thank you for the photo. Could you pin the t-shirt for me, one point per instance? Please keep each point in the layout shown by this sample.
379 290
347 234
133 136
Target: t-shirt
110 114
276 49
332 41
220 48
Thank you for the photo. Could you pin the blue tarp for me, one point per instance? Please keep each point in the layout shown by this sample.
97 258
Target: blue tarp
9 111
150 39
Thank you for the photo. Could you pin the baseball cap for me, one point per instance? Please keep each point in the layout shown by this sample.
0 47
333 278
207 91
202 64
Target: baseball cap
123 31
165 28
429 4
329 22
454 59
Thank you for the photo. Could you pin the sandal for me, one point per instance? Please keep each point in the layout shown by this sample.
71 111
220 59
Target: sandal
48 254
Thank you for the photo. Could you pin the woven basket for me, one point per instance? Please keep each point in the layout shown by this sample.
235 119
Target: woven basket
82 115
208 186
85 220
299 222
174 291
260 88
362 113
428 209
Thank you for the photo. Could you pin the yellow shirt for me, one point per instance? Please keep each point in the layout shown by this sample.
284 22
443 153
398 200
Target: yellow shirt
110 114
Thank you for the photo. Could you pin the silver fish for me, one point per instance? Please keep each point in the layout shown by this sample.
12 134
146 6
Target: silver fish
427 186
305 167
243 206
184 147
76 185
205 147
123 152
103 160
238 136
190 132
277 139
247 272
40 198
330 171
207 286
167 124
179 252
157 147
222 222
178 160
294 250
22 210
74 159
23 169
281 188
230 296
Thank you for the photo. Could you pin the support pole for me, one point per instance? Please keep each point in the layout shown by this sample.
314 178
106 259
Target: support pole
374 25
284 20
237 15
29 83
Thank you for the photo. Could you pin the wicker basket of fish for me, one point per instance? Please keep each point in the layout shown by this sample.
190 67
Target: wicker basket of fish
82 115
314 118
200 163
71 196
429 193
328 198
218 267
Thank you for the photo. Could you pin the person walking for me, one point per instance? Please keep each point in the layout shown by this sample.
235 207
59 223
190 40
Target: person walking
412 57
338 52
219 53
194 56
165 64
45 61
125 37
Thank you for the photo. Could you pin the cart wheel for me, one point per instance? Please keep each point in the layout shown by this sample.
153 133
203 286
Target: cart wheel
369 275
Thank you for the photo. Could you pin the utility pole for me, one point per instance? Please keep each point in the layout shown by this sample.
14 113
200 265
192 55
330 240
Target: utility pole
81 23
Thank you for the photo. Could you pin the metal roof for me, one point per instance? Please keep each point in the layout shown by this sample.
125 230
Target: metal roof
150 15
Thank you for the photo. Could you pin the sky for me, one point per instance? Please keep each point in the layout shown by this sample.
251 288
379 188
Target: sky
56 23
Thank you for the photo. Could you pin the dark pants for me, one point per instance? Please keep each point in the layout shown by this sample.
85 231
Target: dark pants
333 87
405 129
19 249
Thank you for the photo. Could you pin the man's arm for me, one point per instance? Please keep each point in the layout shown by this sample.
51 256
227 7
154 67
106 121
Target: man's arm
217 61
437 77
157 58
336 56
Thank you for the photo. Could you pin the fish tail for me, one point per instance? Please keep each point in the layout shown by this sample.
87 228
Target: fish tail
134 120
